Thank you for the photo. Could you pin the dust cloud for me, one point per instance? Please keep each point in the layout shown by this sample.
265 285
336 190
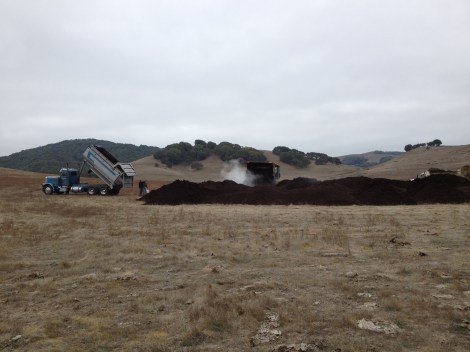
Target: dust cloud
235 171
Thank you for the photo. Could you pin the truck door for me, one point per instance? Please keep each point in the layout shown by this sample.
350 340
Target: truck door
64 179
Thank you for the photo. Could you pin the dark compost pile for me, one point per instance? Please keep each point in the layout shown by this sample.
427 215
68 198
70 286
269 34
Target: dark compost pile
346 191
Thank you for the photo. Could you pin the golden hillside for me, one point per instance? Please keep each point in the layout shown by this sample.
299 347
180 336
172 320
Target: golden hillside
405 166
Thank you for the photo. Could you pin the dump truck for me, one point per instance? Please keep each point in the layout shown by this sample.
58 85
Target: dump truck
103 164
264 172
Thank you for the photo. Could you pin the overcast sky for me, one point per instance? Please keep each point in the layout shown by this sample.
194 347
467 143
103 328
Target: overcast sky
331 76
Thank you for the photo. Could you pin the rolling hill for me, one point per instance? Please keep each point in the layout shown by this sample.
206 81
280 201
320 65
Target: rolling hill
368 159
410 164
50 158
402 167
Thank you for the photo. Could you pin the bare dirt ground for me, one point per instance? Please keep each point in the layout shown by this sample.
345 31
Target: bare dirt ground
92 273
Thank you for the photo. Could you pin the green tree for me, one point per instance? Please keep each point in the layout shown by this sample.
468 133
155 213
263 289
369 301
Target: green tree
199 152
196 166
295 158
280 149
200 143
435 143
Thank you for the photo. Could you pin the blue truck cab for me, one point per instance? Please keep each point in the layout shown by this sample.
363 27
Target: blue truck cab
102 163
68 180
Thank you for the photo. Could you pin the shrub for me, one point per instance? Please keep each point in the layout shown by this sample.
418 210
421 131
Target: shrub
227 151
295 158
300 159
197 166
184 152
280 149
434 143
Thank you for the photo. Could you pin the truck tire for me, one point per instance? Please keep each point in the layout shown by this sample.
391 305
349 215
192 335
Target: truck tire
92 191
105 190
48 190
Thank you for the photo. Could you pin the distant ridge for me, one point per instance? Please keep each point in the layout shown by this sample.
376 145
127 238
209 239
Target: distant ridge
402 167
51 157
369 159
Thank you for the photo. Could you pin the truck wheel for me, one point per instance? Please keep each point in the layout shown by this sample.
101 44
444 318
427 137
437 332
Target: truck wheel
104 191
47 190
91 191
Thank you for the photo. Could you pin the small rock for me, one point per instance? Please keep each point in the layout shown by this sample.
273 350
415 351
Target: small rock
268 330
443 296
302 347
364 294
350 274
378 326
16 338
422 254
369 306
89 277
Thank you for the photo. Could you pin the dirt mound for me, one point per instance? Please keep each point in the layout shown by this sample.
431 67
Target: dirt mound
440 188
299 182
347 191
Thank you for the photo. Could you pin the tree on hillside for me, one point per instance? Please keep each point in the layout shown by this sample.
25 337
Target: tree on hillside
200 143
300 159
434 143
292 156
51 157
186 153
322 159
227 151
280 149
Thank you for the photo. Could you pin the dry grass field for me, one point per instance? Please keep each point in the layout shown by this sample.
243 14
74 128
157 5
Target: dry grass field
92 273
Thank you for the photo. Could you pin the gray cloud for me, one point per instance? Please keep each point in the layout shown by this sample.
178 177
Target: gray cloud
329 76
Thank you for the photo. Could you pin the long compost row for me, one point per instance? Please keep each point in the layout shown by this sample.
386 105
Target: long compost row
346 191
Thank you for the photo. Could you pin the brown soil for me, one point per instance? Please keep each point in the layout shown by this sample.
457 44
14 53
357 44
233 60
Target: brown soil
347 191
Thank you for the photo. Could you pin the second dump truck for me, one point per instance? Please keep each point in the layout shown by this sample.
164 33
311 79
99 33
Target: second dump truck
264 172
102 163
